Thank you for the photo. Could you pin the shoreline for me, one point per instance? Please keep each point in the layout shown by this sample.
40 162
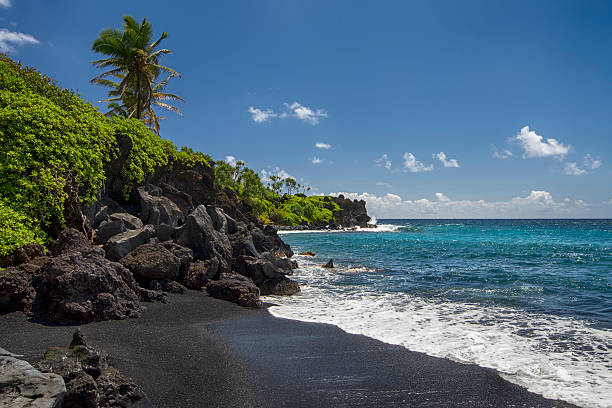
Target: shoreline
199 351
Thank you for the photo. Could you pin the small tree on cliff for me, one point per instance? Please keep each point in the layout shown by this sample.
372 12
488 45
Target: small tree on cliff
133 79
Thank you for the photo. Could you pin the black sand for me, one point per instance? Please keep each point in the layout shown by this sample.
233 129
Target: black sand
202 352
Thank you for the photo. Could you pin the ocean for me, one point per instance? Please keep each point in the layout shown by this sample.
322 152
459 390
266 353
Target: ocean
531 299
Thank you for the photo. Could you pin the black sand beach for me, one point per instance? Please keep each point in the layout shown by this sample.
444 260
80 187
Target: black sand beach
201 352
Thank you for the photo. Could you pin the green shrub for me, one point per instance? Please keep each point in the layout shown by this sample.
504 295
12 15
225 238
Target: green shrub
16 230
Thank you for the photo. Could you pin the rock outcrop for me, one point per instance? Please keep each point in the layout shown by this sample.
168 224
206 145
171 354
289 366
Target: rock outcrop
91 382
152 261
352 212
23 386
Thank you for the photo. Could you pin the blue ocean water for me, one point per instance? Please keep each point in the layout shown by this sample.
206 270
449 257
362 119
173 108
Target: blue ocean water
530 298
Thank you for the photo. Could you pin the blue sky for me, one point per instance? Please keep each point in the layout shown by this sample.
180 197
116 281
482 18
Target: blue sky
383 87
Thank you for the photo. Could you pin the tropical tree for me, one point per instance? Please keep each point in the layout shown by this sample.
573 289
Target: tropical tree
133 78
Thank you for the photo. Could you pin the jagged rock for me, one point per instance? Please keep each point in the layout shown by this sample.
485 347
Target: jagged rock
23 386
207 242
108 229
152 261
79 287
184 255
201 272
307 253
131 222
81 392
70 240
166 232
183 200
90 380
157 209
329 264
122 244
195 178
78 339
117 390
267 240
101 216
22 255
16 291
235 288
266 267
352 212
281 286
166 285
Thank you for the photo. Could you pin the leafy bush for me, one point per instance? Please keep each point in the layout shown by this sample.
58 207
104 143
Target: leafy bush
49 138
16 230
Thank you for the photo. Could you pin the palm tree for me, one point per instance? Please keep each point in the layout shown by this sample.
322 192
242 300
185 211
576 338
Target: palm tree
135 69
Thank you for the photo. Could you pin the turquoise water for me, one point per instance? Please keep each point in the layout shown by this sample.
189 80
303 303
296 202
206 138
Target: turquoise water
530 298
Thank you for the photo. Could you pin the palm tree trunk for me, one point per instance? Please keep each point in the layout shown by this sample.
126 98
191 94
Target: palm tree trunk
138 90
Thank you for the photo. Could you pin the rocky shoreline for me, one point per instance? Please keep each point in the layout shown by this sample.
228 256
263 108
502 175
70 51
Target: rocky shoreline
175 232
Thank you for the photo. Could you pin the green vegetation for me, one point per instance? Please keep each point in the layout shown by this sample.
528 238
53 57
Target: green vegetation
54 147
133 79
268 203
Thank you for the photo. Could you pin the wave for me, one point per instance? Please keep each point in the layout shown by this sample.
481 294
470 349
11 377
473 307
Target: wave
377 228
557 357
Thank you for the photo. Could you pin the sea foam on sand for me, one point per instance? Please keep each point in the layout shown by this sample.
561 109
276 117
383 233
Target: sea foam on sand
557 357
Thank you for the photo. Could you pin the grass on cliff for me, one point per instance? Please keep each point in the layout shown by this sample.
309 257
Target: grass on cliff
53 148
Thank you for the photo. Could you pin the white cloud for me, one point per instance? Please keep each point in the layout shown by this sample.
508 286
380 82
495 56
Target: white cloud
383 184
592 163
609 202
572 169
260 116
447 163
413 165
295 110
322 145
442 198
11 39
316 160
5 3
534 146
537 204
305 113
502 155
265 174
383 161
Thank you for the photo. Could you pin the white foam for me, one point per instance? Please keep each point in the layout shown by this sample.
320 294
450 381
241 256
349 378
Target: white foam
377 228
559 358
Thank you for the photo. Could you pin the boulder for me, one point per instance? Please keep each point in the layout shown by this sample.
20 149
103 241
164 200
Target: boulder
22 255
183 200
281 286
101 216
23 386
150 295
184 255
117 390
122 244
235 288
201 272
267 240
152 261
131 222
266 267
307 253
108 229
16 291
70 240
81 392
329 264
166 232
80 287
206 241
157 209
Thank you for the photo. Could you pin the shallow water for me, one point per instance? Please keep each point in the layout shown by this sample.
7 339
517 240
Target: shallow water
530 298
